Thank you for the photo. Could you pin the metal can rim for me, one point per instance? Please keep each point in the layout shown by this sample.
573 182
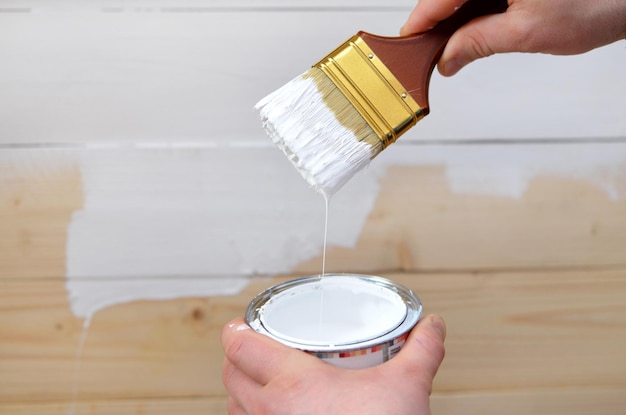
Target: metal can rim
411 301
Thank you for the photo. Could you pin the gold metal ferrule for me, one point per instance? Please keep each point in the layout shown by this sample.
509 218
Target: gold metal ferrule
372 88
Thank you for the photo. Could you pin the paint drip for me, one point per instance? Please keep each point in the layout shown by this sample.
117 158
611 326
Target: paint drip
78 359
321 313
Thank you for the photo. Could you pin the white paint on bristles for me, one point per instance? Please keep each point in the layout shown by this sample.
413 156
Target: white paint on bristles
299 122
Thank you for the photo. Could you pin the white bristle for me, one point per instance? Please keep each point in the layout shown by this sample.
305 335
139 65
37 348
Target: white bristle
299 121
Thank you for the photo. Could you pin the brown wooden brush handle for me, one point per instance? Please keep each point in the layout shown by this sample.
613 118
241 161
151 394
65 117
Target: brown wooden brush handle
412 59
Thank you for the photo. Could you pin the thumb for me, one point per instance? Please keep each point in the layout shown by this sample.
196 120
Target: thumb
423 350
479 38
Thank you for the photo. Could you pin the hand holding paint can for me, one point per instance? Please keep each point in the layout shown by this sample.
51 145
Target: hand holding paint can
262 375
351 321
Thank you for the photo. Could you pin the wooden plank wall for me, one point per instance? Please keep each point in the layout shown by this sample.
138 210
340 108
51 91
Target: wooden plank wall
141 208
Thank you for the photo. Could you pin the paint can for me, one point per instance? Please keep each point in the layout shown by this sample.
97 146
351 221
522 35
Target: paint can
349 320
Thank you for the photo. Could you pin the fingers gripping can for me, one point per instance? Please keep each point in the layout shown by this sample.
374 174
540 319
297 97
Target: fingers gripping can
349 320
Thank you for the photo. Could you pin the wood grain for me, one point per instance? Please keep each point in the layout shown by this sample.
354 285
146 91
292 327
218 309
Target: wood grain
109 101
37 200
418 222
538 335
188 406
533 291
570 401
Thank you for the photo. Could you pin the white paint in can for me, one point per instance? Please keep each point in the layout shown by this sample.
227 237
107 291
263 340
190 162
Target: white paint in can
365 321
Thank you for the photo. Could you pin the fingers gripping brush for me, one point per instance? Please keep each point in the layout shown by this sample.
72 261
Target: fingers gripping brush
336 117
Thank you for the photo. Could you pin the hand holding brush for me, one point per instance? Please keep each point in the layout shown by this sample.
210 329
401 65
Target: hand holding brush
557 27
332 120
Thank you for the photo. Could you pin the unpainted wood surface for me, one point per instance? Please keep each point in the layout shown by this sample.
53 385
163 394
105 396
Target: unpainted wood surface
537 337
574 401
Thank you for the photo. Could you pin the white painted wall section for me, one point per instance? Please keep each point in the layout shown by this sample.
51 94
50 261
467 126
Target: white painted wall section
157 218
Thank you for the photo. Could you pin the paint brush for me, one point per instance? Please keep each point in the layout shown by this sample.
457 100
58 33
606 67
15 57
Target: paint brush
333 119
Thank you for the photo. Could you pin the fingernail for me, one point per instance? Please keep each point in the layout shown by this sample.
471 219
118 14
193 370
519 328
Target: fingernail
238 326
453 66
242 327
439 325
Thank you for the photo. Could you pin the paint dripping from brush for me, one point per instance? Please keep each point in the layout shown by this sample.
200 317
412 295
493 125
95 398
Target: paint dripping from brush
327 205
321 281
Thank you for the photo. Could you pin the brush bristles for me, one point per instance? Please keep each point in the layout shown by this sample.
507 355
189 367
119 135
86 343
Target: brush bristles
318 129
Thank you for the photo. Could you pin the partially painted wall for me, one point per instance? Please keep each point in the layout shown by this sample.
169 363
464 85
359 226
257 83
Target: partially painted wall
152 105
133 168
